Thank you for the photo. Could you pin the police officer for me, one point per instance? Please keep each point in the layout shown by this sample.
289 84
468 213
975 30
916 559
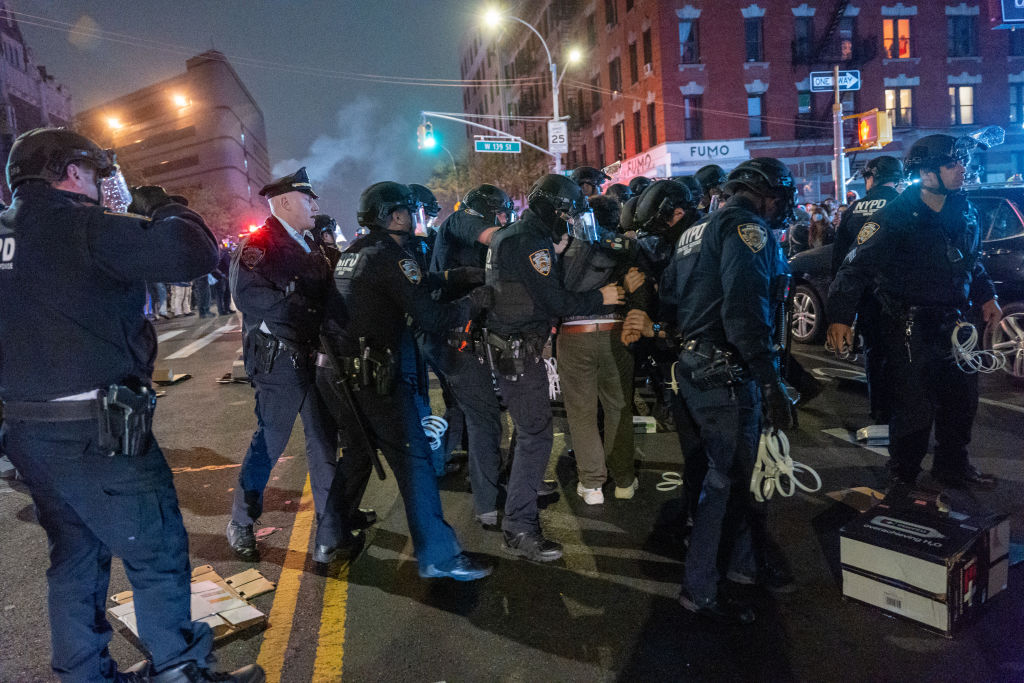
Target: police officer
723 274
523 269
378 283
78 354
462 243
280 277
921 253
619 193
425 232
711 179
589 179
881 176
638 184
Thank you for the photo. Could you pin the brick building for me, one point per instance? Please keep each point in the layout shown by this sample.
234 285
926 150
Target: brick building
200 134
671 85
29 96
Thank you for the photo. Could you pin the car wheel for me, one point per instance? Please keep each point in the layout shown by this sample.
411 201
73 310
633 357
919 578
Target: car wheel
808 318
1008 338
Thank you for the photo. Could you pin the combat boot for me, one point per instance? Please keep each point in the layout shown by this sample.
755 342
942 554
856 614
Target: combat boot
242 540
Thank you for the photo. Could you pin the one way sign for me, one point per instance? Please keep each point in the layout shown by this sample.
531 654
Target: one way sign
821 81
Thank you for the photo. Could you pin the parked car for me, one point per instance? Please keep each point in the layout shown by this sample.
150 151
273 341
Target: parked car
1001 208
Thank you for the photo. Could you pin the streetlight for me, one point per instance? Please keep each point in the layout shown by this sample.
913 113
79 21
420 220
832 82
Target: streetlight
180 101
114 123
493 18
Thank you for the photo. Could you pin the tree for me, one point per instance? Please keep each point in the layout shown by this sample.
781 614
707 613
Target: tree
514 173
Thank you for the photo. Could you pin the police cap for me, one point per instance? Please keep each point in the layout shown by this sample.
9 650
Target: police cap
296 182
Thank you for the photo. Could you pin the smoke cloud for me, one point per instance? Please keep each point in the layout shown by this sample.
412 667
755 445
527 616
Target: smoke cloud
371 144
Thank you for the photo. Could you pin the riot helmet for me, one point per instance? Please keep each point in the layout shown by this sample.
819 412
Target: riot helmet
561 204
427 208
379 200
626 215
489 202
711 178
657 204
692 185
607 211
884 169
769 178
590 176
638 184
618 192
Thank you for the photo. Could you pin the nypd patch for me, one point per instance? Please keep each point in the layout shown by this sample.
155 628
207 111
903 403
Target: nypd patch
346 266
541 261
866 231
251 256
753 235
411 270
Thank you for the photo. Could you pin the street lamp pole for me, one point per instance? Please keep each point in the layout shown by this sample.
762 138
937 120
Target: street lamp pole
554 80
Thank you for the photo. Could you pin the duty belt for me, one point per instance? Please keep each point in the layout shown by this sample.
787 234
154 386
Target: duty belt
53 411
581 328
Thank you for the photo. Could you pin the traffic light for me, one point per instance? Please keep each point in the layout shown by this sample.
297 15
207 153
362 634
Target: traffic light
874 130
425 136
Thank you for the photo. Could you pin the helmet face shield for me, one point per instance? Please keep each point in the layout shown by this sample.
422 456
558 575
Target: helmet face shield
420 221
114 192
583 226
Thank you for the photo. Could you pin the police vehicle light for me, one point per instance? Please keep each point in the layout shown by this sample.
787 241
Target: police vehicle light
253 228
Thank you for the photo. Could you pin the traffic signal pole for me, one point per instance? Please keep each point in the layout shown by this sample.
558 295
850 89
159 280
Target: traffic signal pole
474 124
839 155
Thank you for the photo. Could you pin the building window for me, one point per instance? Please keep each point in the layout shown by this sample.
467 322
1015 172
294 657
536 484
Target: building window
638 134
615 74
611 12
591 31
595 93
804 103
961 101
896 38
652 125
962 36
1017 103
693 123
634 68
629 5
899 104
752 29
619 132
599 143
689 50
1016 42
845 35
755 115
649 48
803 38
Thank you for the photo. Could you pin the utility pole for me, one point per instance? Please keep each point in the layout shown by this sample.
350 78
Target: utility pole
839 155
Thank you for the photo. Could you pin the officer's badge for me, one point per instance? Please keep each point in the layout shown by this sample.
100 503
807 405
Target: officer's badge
753 235
251 256
411 270
541 261
866 232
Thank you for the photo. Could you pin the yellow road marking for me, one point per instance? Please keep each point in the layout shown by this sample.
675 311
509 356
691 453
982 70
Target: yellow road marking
330 650
282 613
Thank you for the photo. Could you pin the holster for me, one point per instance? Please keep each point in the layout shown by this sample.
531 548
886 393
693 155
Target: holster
126 419
265 350
371 368
508 354
710 367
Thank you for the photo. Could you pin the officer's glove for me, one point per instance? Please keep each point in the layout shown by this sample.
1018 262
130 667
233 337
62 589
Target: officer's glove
464 277
777 404
146 199
480 299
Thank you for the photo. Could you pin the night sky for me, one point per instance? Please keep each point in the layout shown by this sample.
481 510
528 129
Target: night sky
349 133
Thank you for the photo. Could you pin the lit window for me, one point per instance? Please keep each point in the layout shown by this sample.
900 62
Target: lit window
899 106
961 100
896 38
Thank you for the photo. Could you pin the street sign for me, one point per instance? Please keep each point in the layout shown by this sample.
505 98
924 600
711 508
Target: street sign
505 146
558 137
821 81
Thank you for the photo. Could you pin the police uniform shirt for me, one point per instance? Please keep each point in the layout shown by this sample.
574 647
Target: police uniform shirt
278 284
720 276
72 289
529 295
377 283
854 218
456 244
914 256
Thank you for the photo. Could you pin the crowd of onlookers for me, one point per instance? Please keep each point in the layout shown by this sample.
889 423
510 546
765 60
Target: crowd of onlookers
207 296
815 225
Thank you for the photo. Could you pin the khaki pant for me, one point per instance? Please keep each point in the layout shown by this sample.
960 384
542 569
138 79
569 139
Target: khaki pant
592 367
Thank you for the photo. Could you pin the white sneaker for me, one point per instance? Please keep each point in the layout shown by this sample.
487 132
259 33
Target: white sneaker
627 492
590 496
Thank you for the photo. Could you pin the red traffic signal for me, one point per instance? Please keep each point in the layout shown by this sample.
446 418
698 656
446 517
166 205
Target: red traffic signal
874 130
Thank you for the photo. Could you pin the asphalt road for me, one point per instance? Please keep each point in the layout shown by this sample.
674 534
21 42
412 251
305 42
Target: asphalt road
606 612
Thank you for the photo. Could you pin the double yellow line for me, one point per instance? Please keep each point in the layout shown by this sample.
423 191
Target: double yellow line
331 643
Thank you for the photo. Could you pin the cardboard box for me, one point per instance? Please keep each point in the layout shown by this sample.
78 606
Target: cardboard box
925 558
220 603
644 424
